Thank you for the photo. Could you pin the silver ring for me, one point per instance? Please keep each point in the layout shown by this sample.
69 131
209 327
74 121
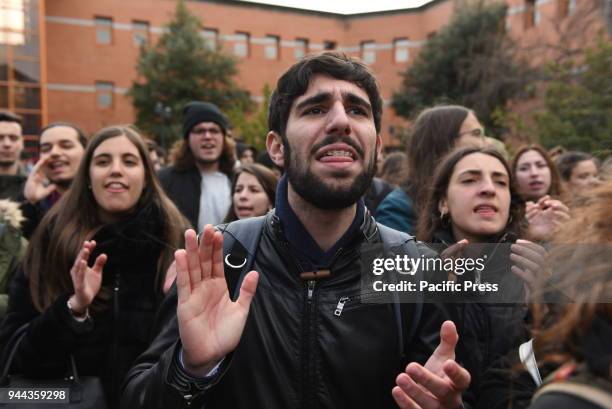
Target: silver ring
233 266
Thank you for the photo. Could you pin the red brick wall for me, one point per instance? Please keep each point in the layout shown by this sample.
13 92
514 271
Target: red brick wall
74 58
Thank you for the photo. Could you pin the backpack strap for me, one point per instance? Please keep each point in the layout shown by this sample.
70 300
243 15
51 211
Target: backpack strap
580 383
391 236
589 393
529 361
240 241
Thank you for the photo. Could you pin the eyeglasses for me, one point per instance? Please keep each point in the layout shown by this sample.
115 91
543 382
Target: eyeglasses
202 131
477 132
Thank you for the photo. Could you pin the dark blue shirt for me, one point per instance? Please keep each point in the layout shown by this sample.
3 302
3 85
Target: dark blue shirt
308 253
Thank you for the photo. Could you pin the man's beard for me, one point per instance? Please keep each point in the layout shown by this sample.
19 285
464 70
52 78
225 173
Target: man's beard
63 184
316 192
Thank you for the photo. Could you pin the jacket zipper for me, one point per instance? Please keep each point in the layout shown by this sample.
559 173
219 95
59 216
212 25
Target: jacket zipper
115 345
308 331
308 341
340 306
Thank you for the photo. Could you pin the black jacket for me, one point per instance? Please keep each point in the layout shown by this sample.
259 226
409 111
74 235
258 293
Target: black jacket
11 186
183 187
489 329
294 352
34 212
106 345
508 384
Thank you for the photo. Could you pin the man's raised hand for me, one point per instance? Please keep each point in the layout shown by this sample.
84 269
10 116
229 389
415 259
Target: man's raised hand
36 187
210 323
437 385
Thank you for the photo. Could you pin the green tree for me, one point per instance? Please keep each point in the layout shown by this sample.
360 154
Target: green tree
180 68
472 61
578 103
252 128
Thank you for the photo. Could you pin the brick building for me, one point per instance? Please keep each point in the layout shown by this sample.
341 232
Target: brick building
73 60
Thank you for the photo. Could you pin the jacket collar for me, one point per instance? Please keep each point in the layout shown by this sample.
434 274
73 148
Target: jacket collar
445 236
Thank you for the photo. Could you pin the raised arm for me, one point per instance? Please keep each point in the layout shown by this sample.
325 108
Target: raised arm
210 323
197 320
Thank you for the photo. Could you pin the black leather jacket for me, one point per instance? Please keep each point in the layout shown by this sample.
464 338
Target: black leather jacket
296 350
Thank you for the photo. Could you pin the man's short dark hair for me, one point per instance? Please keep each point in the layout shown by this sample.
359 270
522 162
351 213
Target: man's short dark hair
8 116
295 82
81 135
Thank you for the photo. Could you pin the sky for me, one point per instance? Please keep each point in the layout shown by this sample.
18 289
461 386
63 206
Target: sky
345 6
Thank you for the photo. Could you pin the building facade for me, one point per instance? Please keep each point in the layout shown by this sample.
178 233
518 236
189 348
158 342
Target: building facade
74 60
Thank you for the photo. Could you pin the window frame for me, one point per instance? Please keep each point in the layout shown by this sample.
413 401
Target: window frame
272 43
141 27
103 25
245 41
104 88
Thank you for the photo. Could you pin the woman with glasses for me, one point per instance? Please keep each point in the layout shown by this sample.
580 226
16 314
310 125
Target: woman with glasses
436 132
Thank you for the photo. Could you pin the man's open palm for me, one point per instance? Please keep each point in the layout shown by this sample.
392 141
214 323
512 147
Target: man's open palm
210 323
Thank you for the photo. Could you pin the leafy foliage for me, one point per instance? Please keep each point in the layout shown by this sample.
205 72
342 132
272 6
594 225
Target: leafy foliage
181 68
578 103
472 62
253 128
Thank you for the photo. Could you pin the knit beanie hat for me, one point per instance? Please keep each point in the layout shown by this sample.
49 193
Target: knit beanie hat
196 112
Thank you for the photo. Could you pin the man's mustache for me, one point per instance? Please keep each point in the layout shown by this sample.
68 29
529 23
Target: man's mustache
329 139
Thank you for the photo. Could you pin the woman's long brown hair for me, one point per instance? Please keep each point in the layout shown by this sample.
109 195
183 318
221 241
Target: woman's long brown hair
266 178
581 268
555 190
434 135
74 219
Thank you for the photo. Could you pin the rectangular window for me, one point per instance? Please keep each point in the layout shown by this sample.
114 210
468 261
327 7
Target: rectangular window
12 22
530 13
368 52
104 30
401 53
241 44
27 97
211 36
571 8
4 97
329 45
301 48
31 123
271 47
140 33
104 94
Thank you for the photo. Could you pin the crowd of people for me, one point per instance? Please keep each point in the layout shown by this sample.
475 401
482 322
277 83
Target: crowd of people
233 278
